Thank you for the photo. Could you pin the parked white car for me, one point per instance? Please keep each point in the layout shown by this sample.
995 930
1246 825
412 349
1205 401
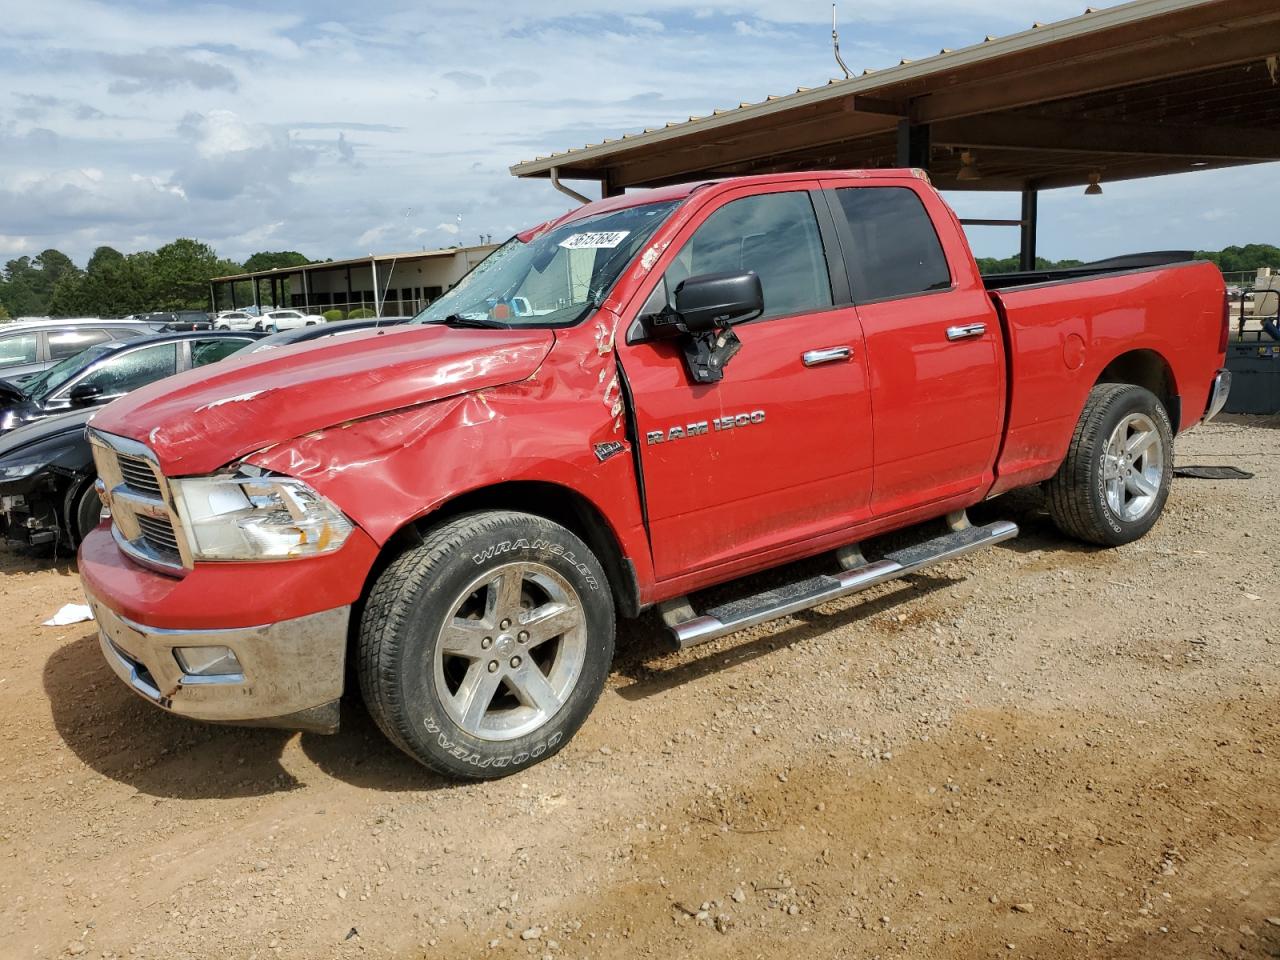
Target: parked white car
277 320
235 320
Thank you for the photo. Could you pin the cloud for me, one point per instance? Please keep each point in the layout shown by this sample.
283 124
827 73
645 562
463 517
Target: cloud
37 106
346 152
159 71
234 158
646 24
466 79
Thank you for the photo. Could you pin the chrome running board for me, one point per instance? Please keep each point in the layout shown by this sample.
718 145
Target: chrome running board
690 628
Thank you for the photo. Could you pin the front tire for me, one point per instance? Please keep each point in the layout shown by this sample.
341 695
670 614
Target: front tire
85 512
483 649
1114 482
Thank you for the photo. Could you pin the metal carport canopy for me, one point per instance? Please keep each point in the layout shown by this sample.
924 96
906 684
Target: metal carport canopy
1141 89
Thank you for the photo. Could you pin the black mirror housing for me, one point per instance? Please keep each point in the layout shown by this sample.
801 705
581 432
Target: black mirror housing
84 394
713 301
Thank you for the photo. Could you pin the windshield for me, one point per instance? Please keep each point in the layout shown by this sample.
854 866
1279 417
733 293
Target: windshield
40 386
553 280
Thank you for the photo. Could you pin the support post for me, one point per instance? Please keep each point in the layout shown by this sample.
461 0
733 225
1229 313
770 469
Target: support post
306 293
377 299
234 305
213 299
913 144
1030 224
257 304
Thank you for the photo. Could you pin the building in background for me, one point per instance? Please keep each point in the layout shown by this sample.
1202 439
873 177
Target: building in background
389 284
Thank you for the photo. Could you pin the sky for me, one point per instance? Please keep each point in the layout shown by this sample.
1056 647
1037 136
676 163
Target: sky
342 129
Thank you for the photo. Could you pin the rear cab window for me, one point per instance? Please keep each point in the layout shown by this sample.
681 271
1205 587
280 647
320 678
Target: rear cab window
896 251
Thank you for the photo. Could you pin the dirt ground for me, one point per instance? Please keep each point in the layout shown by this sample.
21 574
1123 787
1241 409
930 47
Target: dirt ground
1041 751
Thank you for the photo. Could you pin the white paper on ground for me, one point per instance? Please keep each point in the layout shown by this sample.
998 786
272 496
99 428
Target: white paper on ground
70 613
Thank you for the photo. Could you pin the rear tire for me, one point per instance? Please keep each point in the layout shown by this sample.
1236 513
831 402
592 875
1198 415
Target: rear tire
483 649
1114 482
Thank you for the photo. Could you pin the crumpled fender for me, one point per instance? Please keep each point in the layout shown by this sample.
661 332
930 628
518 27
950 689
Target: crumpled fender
204 419
564 425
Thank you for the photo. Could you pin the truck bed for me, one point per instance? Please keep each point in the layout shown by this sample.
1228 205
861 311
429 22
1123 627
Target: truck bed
1064 328
1128 262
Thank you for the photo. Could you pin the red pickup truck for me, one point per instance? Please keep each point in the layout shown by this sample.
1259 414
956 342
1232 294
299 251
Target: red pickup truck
651 395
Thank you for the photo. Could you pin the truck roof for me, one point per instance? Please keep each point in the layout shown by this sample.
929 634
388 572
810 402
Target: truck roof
681 191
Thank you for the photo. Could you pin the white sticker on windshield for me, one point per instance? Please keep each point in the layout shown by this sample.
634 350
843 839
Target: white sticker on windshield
603 240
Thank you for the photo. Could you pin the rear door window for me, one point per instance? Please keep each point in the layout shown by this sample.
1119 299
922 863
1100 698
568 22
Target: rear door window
67 343
773 234
211 351
19 348
896 252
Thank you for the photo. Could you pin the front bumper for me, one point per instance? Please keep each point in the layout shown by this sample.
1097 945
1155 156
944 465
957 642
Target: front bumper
291 672
1218 394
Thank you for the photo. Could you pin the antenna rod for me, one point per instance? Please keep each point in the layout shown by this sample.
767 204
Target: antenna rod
835 43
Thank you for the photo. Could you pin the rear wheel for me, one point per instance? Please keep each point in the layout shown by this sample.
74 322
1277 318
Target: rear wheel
1113 484
482 650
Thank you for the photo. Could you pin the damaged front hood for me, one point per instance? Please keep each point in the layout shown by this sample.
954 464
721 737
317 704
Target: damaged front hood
201 420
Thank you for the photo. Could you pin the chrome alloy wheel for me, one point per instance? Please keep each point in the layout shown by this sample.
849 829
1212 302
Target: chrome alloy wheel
511 653
1133 467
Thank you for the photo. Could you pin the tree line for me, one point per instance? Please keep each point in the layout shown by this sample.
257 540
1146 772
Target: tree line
1246 259
113 284
176 277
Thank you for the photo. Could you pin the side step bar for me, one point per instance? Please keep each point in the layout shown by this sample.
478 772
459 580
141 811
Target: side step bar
689 628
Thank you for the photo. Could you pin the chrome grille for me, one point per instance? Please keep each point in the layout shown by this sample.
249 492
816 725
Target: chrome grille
143 520
158 533
139 476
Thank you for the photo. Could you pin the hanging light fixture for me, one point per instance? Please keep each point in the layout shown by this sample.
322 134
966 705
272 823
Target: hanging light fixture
1094 189
969 169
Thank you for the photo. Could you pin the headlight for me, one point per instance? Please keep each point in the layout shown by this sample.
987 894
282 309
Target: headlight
16 471
231 517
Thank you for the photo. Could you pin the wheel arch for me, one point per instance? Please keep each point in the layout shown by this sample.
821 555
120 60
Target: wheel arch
552 501
1148 369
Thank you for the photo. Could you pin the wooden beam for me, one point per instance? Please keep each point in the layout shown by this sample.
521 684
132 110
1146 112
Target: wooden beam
1021 132
696 155
1172 55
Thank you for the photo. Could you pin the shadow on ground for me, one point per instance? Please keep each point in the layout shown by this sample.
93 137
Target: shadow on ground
126 739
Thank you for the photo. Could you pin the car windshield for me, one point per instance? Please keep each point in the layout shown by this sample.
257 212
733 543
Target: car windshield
553 280
40 386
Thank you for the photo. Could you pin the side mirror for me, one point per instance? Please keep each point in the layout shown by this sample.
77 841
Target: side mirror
713 301
85 394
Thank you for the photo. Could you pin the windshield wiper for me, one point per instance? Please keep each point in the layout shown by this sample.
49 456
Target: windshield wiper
478 323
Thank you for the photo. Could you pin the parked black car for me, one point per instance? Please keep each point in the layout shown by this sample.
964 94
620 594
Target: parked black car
46 482
27 349
176 320
321 331
46 466
109 370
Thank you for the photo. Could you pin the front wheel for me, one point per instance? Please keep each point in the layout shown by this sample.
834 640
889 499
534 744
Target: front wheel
85 512
482 650
1113 484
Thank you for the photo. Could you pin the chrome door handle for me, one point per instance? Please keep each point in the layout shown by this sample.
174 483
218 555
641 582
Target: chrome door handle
966 331
812 358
